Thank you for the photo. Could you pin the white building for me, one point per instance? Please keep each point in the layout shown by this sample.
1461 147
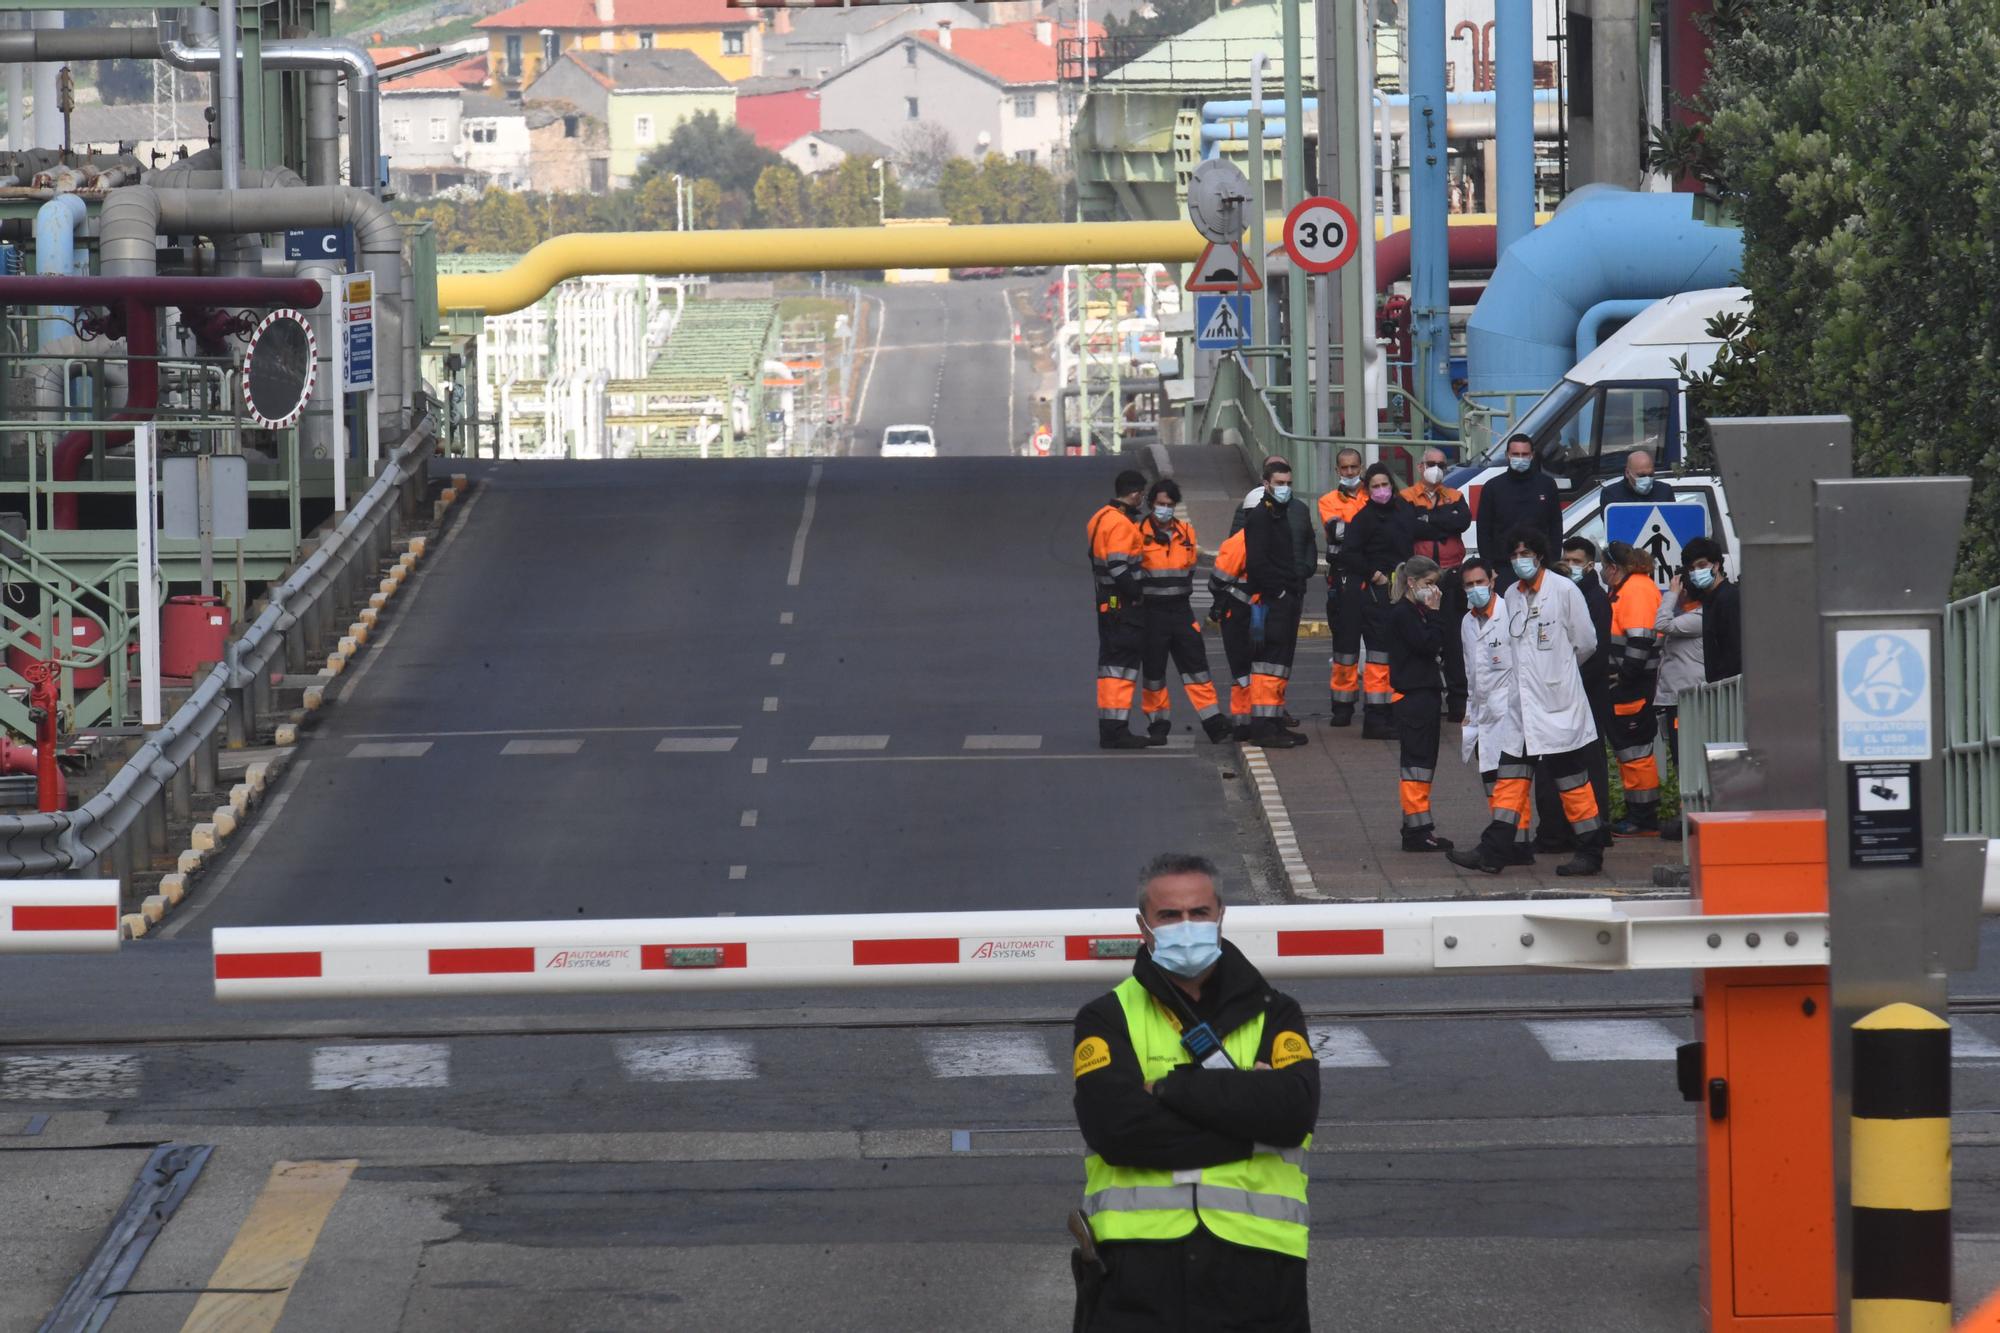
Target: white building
496 144
823 150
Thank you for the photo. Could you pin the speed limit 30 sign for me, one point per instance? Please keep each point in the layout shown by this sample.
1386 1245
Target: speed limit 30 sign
1320 234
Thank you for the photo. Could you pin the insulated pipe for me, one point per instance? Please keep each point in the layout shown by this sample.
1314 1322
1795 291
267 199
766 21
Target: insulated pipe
1590 329
1470 248
48 116
322 127
29 46
1226 109
1514 192
1461 123
1430 310
336 54
229 95
142 397
56 224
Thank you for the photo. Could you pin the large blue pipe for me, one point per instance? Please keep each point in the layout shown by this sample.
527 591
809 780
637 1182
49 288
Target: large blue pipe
1603 244
1514 121
1236 110
1430 241
56 225
1590 329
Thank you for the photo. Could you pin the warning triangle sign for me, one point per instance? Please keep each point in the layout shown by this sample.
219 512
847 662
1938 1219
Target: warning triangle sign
1223 326
1224 269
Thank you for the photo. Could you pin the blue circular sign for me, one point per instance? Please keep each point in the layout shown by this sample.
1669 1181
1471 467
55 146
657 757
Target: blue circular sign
1883 676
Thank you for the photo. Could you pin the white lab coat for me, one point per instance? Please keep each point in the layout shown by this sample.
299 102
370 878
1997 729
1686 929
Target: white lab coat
1552 636
1492 708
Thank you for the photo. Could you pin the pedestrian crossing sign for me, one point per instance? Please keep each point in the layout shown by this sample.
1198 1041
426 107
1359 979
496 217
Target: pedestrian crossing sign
1660 530
1221 320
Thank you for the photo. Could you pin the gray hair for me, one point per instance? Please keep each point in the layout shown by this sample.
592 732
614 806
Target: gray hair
1177 863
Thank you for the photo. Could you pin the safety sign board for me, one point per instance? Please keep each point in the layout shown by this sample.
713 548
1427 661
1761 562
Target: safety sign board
1660 530
1320 234
1884 825
1221 320
1884 709
326 243
1224 268
358 322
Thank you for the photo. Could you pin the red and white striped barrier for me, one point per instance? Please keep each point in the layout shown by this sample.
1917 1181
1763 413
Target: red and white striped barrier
59 916
981 948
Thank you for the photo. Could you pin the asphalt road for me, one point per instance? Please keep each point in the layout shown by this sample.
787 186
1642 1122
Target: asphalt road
946 358
1494 1154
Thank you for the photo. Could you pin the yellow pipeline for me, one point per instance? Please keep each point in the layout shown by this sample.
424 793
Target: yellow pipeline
827 249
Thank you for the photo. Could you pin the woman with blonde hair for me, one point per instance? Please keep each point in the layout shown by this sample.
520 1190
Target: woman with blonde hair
1416 636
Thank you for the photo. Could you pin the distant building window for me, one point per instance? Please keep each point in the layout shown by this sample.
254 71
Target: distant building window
514 55
645 41
732 43
910 111
812 148
642 129
437 129
551 47
600 175
569 127
795 72
484 131
1025 155
1024 104
910 54
606 41
399 129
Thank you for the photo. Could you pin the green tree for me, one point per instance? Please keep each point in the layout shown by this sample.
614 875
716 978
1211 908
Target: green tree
961 192
999 190
845 196
1859 143
703 148
781 197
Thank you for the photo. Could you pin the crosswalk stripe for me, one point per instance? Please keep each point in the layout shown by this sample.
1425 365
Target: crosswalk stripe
695 745
1968 1043
561 745
1345 1048
986 1054
1003 743
700 1059
376 1068
849 743
390 750
78 1076
1605 1039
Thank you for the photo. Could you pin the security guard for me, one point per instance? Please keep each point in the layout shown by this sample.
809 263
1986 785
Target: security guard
1168 554
1116 559
1196 1091
1337 509
1635 671
1230 607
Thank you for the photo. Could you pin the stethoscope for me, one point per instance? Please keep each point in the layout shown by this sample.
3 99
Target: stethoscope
1517 625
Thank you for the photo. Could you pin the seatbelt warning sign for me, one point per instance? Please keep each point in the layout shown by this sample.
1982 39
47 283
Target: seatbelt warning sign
1884 707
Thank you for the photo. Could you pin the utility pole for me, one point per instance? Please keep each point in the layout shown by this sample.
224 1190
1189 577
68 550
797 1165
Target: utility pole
1295 190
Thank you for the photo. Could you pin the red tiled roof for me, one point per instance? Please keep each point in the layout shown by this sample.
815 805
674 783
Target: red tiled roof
1009 51
451 79
575 15
389 55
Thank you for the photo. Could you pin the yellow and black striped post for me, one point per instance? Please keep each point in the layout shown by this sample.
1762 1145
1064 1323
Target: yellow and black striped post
1901 1192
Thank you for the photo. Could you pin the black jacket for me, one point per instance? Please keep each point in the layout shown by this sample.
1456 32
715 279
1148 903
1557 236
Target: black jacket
1299 514
1722 630
1416 637
1379 538
1596 669
1193 1118
1620 492
1518 500
1271 552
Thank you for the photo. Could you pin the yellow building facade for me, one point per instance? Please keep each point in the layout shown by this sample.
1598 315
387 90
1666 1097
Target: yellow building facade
526 39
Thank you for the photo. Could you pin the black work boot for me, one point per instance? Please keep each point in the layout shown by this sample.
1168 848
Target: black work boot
1589 860
1218 728
1521 854
1157 732
1474 859
1424 840
1269 733
1343 716
1115 736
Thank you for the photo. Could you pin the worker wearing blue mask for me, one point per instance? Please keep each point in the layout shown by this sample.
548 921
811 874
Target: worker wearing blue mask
1196 1091
1639 485
1524 496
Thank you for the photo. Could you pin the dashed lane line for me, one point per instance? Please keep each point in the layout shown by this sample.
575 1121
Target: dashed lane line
1003 743
533 731
738 872
770 703
695 745
777 659
784 617
877 742
747 820
760 765
390 750
1122 757
805 527
544 745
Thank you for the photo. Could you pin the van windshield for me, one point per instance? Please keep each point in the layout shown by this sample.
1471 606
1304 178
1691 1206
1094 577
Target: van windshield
1554 405
917 436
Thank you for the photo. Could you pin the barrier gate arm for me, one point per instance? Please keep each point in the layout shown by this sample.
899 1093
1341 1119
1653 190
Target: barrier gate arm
1293 942
59 916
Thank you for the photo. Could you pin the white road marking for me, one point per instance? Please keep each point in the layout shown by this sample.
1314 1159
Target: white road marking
738 872
874 355
749 819
760 765
986 1054
849 743
390 750
784 617
1003 742
805 526
695 745
777 659
551 745
770 703
1125 757
1605 1039
69 1077
194 907
368 660
536 731
686 1059
1969 1044
373 1068
1345 1048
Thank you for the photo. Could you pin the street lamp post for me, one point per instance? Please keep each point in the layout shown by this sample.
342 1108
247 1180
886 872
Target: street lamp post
881 170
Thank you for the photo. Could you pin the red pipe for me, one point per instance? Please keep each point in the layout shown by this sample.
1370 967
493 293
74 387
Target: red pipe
18 758
1471 247
77 289
142 396
45 702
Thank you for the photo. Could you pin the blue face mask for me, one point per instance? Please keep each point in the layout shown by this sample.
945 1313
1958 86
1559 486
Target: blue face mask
1520 462
1525 567
1187 948
1701 578
1282 494
1478 597
1575 573
1641 485
1164 513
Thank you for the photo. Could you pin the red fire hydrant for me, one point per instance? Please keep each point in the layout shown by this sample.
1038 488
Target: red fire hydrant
44 706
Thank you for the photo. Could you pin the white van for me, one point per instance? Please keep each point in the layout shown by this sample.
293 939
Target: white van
1626 394
908 442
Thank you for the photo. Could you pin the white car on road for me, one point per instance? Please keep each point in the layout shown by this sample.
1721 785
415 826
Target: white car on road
908 442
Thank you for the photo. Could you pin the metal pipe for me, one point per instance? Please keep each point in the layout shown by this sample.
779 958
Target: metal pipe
338 55
1295 189
171 290
48 116
229 96
55 46
1260 318
1430 313
322 127
1514 192
56 224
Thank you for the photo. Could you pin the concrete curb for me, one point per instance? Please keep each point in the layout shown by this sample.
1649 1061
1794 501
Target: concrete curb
1284 841
207 839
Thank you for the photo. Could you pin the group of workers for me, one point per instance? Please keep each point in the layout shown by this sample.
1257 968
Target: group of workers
1543 673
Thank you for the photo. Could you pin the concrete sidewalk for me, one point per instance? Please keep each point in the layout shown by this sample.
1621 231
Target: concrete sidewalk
1333 806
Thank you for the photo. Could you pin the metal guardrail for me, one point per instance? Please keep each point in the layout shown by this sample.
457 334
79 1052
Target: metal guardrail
1972 714
1710 714
129 808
